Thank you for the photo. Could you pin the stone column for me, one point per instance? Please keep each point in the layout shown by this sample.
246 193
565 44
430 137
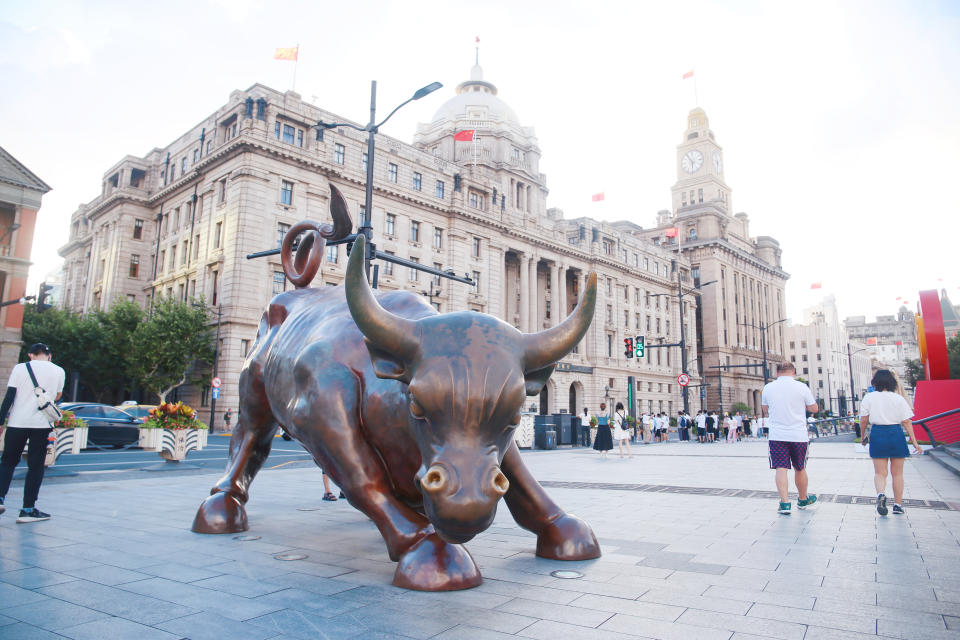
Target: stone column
524 292
562 293
555 295
532 295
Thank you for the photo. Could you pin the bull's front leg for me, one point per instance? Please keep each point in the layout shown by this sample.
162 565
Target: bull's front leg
560 535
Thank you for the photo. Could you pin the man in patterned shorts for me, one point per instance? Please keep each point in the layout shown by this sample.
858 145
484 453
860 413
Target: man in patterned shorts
786 402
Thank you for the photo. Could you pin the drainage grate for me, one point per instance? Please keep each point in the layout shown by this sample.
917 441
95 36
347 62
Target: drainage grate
739 493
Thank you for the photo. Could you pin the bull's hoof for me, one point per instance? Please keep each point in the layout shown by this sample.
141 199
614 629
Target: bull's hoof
568 538
434 565
220 513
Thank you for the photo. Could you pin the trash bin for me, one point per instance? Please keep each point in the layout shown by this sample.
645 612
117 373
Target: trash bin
565 433
544 436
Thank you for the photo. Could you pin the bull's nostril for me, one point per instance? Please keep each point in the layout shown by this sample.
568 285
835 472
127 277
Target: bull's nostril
500 483
434 480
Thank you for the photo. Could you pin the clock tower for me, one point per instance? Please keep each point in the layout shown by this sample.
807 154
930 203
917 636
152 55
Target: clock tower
700 169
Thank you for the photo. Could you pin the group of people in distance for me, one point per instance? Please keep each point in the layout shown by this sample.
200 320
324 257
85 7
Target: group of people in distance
786 402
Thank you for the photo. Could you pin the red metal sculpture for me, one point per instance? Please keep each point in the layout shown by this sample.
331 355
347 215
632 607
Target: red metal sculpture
411 413
937 393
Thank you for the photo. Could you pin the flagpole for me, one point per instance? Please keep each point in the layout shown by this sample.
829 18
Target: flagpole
296 61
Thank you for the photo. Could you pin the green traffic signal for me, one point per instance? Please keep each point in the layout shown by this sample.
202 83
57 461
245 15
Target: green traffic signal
639 345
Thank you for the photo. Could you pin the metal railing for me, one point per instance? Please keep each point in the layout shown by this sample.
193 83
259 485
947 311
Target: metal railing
833 426
946 425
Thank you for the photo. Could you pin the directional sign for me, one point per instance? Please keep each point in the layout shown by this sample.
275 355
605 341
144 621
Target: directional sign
703 393
216 393
683 379
216 382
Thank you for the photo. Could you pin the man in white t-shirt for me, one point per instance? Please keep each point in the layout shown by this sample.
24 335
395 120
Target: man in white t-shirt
27 424
786 402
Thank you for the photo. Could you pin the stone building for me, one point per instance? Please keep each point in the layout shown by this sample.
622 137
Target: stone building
891 340
740 277
180 221
20 195
819 350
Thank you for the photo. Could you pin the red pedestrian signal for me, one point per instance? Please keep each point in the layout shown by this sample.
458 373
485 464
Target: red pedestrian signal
628 347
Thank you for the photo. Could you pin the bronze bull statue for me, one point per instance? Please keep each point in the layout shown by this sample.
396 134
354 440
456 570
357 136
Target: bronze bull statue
411 412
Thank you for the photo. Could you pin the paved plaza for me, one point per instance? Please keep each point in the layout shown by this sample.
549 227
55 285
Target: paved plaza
693 548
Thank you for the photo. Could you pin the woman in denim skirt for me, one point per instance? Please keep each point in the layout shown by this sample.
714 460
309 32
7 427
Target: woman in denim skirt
884 414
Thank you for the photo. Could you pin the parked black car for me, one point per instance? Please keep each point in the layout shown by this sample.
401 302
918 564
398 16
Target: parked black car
108 426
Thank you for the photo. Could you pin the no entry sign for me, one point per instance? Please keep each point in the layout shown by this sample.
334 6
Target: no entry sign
683 379
216 382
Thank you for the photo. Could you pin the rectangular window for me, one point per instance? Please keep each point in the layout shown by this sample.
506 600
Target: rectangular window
363 162
183 165
609 346
196 246
437 238
244 347
196 156
440 189
333 253
339 153
134 266
209 146
137 229
276 129
388 266
223 191
288 134
286 192
414 273
417 181
476 247
475 200
414 231
392 171
215 291
193 288
163 259
475 276
217 232
701 195
390 227
436 278
185 252
282 229
299 137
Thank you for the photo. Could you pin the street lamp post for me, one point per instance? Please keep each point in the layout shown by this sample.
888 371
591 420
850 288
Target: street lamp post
853 391
685 393
372 128
216 363
763 343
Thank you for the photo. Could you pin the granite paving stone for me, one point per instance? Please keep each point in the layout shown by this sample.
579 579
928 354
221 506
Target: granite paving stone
682 563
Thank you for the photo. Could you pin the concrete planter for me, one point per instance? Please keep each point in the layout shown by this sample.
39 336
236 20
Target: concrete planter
150 439
523 434
70 440
175 443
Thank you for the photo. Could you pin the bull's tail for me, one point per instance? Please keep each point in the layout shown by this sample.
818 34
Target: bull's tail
301 266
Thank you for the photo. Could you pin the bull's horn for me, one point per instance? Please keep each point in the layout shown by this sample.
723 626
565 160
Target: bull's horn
393 334
547 347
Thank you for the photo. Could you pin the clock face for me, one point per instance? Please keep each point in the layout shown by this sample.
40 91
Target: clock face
692 161
717 162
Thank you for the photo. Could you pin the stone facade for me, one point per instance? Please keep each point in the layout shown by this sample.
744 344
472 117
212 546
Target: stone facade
740 278
181 220
819 350
20 195
890 340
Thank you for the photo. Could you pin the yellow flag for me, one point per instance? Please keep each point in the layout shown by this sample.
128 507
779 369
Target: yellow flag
286 53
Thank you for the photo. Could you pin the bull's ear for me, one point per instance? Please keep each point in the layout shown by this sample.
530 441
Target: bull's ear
536 379
386 365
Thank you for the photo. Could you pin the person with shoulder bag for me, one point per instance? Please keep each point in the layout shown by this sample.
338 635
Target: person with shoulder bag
33 389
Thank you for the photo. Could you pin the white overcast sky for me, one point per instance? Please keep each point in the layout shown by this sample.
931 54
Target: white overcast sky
839 121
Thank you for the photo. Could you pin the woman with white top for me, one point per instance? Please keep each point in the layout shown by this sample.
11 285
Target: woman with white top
882 414
621 430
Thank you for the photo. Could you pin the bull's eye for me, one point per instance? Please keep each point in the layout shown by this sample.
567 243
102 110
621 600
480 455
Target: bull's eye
516 420
416 409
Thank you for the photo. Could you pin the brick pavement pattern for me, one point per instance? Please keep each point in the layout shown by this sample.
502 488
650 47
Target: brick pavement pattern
118 559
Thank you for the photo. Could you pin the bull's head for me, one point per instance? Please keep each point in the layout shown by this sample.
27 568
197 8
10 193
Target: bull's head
467 375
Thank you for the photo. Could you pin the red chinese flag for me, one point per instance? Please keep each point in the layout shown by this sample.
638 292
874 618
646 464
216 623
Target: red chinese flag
478 39
899 343
816 285
871 341
671 233
464 136
688 74
286 53
597 197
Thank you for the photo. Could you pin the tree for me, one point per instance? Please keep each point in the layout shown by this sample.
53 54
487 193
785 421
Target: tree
742 408
953 355
914 373
170 346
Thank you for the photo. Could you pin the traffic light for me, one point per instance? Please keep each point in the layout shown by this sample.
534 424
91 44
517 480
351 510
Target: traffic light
628 347
639 345
42 304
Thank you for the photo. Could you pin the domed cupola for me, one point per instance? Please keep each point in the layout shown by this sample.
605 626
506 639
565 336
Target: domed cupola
498 140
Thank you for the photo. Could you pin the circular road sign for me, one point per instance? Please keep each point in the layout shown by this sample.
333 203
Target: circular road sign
216 382
683 379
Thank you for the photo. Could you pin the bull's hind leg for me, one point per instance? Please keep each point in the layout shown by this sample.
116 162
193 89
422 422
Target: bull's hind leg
224 511
560 535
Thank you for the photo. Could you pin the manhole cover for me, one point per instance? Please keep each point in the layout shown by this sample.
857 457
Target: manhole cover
308 508
289 557
566 574
246 538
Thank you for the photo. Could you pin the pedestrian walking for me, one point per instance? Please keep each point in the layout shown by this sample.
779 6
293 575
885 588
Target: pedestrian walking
786 401
729 428
227 417
702 425
621 430
646 421
712 426
28 426
604 440
884 415
585 428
